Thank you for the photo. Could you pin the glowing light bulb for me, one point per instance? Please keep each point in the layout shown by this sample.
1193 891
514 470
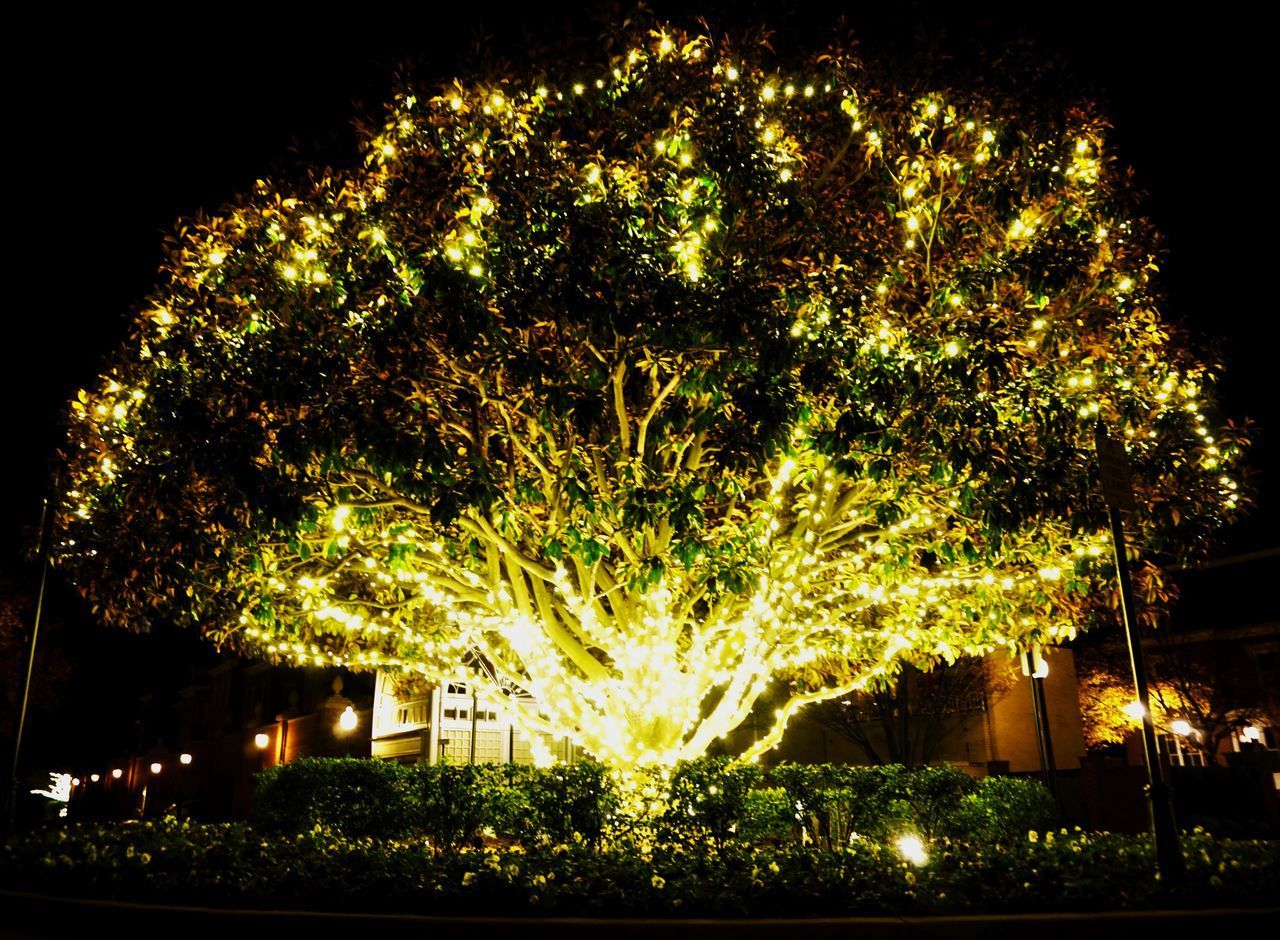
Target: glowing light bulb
911 848
348 720
1135 711
184 759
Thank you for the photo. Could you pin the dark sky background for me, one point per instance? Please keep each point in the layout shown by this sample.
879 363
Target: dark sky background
119 124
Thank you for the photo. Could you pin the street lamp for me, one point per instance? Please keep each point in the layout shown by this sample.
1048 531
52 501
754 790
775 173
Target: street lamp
1036 668
156 767
348 720
260 741
117 773
1181 727
94 778
184 758
1136 711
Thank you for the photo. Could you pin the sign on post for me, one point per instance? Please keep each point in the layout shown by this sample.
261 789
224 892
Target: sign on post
1117 487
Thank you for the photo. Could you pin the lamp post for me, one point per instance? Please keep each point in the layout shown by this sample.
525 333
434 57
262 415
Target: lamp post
347 722
260 741
1118 492
1037 669
340 710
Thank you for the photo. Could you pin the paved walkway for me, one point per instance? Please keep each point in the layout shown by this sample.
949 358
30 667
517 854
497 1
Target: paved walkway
38 917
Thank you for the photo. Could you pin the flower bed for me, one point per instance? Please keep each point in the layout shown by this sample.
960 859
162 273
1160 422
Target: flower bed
182 862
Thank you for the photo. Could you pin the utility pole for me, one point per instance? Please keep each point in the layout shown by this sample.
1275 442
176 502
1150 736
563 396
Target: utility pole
1117 489
47 512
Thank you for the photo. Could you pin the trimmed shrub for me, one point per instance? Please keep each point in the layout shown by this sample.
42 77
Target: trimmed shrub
835 803
768 817
454 802
1003 809
568 802
714 800
354 796
707 799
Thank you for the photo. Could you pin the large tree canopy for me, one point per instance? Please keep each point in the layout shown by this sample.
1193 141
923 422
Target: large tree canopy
640 390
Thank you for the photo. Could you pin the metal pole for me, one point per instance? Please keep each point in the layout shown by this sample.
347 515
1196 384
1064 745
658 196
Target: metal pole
46 531
1044 740
1168 854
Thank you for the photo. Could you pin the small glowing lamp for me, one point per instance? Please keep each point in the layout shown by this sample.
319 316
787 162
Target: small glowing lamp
348 720
184 758
261 740
156 767
117 773
94 778
1181 727
1135 711
912 849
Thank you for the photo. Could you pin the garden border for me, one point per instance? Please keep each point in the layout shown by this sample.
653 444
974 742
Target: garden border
43 915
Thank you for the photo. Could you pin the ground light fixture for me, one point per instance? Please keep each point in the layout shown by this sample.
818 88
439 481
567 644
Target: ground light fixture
261 740
156 767
94 778
117 773
911 848
184 758
348 720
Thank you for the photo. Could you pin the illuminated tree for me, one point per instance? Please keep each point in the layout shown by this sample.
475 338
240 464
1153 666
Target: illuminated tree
1209 684
639 390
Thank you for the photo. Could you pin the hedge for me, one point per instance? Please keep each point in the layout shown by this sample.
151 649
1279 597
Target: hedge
714 800
182 862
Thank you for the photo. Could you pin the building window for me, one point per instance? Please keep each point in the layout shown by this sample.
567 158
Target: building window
1180 754
457 746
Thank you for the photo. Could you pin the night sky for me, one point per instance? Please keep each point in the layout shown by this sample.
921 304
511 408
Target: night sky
116 128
